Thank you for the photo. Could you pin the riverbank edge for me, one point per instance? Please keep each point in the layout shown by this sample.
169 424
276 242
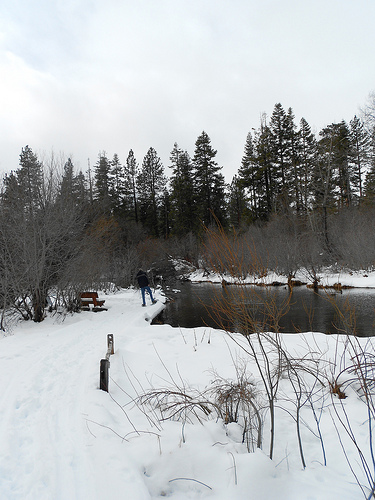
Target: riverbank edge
327 279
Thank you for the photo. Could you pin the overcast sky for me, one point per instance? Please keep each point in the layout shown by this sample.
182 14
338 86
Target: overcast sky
82 76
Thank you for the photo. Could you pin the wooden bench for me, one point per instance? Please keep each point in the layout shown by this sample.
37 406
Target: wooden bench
88 298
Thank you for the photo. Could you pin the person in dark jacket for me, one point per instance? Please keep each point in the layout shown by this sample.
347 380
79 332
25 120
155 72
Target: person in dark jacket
144 285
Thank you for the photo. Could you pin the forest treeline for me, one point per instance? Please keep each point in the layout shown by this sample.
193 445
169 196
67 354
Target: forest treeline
297 200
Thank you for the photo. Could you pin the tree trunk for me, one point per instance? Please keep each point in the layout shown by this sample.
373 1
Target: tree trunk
39 302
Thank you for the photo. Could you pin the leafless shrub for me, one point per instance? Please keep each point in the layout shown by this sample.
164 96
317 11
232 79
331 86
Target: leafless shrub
231 401
258 319
177 405
353 234
239 401
231 255
352 371
359 376
52 242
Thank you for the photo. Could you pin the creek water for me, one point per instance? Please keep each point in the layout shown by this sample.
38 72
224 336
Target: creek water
193 306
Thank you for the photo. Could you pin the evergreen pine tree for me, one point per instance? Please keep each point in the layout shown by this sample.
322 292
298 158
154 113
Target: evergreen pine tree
72 189
30 180
66 185
308 163
369 184
116 188
334 173
165 211
294 172
151 182
248 176
103 184
237 205
282 137
183 213
359 153
81 187
10 194
131 174
267 181
279 145
209 182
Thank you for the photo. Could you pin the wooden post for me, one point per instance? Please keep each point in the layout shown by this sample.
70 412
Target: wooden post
110 343
104 374
104 363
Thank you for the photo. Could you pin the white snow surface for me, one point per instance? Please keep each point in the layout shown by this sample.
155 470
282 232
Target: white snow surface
62 438
328 278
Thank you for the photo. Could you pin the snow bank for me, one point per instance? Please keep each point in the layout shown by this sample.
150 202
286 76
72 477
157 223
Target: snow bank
356 279
62 438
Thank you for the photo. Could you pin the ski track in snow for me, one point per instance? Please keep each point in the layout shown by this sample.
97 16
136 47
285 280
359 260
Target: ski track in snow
42 414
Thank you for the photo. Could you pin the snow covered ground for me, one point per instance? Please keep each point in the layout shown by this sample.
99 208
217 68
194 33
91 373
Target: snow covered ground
63 438
328 278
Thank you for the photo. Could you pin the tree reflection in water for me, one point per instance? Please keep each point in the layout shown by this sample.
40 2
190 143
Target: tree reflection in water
247 307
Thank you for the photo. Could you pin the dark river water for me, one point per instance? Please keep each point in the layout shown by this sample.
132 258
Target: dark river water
194 305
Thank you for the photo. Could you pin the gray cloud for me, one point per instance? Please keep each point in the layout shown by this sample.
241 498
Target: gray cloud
83 77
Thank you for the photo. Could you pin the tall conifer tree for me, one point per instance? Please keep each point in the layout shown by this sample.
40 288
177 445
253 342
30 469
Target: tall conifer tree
249 178
182 198
280 144
294 172
334 152
151 183
209 182
117 185
237 205
131 174
283 149
267 185
72 190
103 184
359 153
30 180
308 163
369 184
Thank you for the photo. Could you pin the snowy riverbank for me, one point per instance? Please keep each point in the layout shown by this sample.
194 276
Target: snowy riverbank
62 438
328 278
